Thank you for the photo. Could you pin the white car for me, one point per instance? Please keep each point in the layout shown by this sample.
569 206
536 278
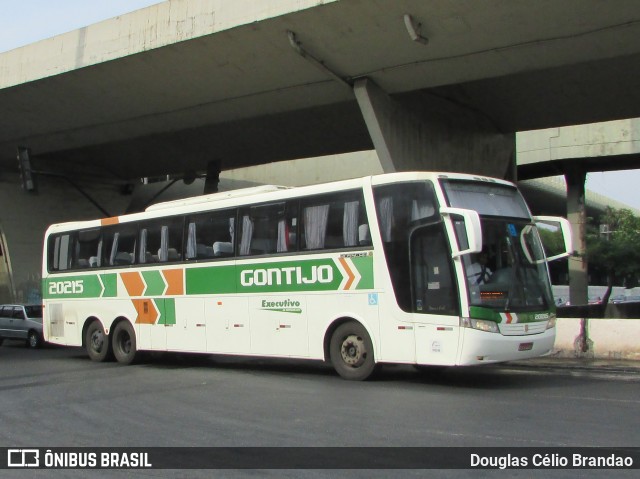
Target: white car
18 321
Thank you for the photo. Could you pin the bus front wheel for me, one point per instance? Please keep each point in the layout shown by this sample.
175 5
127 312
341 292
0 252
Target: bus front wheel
96 342
124 343
351 352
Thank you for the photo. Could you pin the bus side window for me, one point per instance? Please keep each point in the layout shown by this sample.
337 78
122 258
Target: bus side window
314 220
267 229
335 221
60 252
170 242
119 247
210 235
287 228
86 248
160 241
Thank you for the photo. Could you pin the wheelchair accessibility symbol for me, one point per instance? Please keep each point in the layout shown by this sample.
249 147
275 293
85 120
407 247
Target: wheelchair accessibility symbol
373 299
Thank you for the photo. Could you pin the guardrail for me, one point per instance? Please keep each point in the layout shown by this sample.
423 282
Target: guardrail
612 311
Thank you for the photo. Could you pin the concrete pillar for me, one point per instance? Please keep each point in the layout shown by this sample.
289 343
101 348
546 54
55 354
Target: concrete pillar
433 133
575 177
577 216
213 177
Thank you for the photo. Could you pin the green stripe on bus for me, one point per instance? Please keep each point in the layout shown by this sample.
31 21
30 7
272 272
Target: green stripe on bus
86 286
155 284
167 309
325 274
478 312
110 282
211 280
364 265
289 276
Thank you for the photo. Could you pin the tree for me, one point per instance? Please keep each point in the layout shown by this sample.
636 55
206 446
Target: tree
615 251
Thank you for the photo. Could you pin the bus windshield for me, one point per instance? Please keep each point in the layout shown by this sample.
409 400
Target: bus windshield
510 273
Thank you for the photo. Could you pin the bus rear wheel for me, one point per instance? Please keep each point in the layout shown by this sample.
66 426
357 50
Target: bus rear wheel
96 342
351 352
124 343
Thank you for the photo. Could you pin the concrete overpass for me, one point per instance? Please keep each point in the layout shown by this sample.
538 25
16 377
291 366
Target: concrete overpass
176 85
205 84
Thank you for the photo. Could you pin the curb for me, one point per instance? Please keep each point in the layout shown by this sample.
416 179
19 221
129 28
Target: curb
580 364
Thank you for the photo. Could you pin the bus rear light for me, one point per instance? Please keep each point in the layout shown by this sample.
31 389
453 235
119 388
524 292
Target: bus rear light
551 323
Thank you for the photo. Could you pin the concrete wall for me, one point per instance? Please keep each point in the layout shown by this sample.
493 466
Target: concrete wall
24 217
608 338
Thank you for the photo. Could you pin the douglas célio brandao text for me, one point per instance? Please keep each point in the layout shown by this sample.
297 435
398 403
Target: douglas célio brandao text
550 460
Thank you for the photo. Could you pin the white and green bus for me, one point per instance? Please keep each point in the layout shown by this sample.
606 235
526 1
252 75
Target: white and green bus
414 268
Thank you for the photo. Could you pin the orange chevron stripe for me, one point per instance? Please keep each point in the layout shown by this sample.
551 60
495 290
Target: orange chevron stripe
133 283
147 312
350 274
174 279
110 221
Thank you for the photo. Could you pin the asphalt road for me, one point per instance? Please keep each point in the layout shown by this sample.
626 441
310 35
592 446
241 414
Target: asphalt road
57 397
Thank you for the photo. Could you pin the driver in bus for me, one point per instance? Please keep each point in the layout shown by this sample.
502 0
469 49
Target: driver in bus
478 272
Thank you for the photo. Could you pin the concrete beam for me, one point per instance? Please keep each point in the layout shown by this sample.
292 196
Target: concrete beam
607 146
433 134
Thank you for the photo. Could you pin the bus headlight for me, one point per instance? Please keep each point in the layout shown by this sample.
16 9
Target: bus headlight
479 324
551 323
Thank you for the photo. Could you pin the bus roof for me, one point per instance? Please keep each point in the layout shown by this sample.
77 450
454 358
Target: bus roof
268 193
224 195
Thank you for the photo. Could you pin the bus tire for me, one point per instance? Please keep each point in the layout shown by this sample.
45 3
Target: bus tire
33 340
351 352
96 342
124 343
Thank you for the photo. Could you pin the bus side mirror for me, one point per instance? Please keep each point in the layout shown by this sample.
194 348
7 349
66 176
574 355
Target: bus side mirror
555 233
471 229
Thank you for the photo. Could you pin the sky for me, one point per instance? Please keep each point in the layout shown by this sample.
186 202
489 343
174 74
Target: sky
623 186
28 21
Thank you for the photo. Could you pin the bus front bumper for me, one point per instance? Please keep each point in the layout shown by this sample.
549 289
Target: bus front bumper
479 347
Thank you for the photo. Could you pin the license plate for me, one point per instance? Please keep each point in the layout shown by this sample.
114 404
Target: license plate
525 347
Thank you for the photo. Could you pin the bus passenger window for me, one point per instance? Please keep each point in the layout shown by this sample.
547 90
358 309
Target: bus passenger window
335 221
264 230
59 251
161 241
87 249
119 245
210 235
